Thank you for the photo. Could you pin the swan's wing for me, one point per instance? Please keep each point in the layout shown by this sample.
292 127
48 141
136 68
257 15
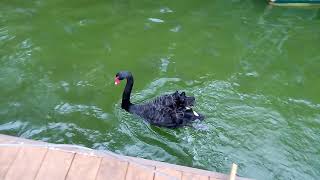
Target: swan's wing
156 114
163 111
165 101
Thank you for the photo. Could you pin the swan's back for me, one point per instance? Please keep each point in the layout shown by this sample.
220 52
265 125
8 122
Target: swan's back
166 110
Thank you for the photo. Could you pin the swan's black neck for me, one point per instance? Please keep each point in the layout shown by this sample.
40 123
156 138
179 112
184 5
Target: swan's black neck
126 93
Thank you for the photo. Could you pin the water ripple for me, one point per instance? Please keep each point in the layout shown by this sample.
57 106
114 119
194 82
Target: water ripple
66 108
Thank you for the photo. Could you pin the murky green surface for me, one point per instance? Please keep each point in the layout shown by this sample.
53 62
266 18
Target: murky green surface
254 70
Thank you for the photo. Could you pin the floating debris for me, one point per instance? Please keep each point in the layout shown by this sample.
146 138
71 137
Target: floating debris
156 20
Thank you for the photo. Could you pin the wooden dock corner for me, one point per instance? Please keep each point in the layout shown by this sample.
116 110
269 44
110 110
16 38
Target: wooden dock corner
22 159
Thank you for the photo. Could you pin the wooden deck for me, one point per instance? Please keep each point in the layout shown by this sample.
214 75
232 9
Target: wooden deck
22 159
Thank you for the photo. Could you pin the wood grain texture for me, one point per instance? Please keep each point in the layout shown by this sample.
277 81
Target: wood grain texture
190 176
55 166
165 173
139 172
112 168
26 164
217 178
84 167
7 157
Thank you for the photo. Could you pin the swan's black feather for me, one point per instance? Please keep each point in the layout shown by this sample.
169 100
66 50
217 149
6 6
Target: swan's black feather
171 110
168 110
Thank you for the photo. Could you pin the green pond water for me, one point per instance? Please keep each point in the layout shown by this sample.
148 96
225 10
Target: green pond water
254 70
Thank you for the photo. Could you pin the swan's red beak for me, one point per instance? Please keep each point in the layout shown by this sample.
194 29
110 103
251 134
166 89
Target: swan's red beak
116 80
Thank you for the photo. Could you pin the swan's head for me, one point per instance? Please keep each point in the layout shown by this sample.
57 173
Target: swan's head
121 76
183 100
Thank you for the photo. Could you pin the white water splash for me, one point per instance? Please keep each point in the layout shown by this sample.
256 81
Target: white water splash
166 10
164 64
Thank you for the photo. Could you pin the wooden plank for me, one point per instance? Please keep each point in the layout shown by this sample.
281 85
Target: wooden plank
84 167
7 156
190 176
219 178
112 167
27 163
147 165
55 166
182 168
166 173
3 140
139 172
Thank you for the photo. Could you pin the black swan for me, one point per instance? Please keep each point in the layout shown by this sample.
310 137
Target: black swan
171 110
